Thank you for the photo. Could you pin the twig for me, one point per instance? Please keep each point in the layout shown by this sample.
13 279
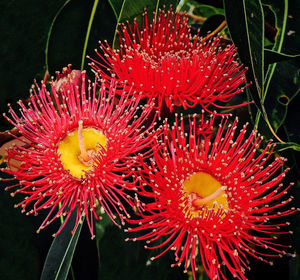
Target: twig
194 17
218 29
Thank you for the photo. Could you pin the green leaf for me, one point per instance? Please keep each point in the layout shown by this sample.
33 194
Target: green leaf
61 252
245 21
246 26
280 10
274 56
283 92
206 10
283 86
130 9
288 145
133 8
87 36
116 5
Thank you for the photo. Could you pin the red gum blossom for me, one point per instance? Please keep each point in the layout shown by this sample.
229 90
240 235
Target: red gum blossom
46 121
254 194
163 62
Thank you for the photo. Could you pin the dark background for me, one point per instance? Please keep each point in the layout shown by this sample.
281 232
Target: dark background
23 27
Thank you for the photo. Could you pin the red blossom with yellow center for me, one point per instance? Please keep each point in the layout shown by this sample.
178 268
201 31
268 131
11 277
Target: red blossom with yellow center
164 62
78 149
215 198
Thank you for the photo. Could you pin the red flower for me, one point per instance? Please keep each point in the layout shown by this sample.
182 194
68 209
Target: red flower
78 150
62 79
212 196
164 62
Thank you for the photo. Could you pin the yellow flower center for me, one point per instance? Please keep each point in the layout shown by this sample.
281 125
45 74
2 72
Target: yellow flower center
203 193
77 149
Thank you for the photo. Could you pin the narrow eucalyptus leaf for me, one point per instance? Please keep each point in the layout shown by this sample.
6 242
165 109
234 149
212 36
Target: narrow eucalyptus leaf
282 80
59 258
246 26
116 5
288 145
274 57
280 10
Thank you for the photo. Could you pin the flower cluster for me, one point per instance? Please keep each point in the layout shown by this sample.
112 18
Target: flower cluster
202 188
